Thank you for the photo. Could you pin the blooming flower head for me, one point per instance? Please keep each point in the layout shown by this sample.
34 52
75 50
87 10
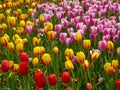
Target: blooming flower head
46 59
80 57
69 65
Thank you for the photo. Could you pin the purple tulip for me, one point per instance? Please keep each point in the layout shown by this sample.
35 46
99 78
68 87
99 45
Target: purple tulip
102 45
118 33
64 23
73 22
63 37
29 29
58 28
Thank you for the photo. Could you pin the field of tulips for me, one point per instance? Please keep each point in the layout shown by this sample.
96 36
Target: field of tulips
59 45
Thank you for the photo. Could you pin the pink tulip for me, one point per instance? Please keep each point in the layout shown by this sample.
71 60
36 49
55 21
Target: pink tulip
29 29
102 45
58 28
93 36
72 36
64 23
63 37
68 41
74 60
115 38
70 30
106 37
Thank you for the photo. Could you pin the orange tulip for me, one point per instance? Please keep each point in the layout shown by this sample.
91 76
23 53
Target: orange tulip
11 64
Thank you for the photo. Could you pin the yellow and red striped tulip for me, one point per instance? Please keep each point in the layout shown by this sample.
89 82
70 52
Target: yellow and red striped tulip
69 65
30 10
2 17
69 53
94 56
22 23
46 59
42 19
87 44
110 46
55 50
4 41
15 68
10 46
80 57
19 47
36 41
11 64
50 35
78 37
4 26
25 41
86 65
35 61
11 21
115 64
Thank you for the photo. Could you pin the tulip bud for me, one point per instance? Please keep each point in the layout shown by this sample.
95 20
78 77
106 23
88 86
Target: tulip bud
40 79
89 86
65 77
35 61
52 79
36 41
19 47
115 64
15 68
42 19
10 46
5 65
78 37
11 64
110 46
87 44
46 59
69 65
23 68
55 50
80 57
24 57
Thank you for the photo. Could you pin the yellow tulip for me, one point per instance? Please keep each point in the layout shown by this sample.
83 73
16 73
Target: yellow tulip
78 37
23 17
8 12
46 59
9 4
2 17
86 65
35 61
19 41
19 47
115 64
25 41
69 53
11 64
20 30
33 5
15 37
36 51
4 41
22 23
49 26
69 65
87 44
15 68
42 19
19 12
30 11
4 6
4 26
14 4
11 21
21 2
50 35
55 50
107 67
94 56
80 57
10 46
110 46
36 41
7 36
42 50
27 2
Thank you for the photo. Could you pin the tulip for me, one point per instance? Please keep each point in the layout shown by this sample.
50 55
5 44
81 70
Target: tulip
110 46
68 41
11 21
27 2
36 51
86 65
15 37
94 56
63 37
100 80
40 79
29 29
68 88
11 65
25 41
30 10
22 23
78 37
5 65
87 44
23 68
19 47
46 59
50 35
115 64
49 26
4 41
42 19
36 41
65 77
2 17
58 28
19 12
55 50
80 57
38 88
24 57
102 45
115 38
15 68
4 26
21 2
118 84
89 86
64 23
69 53
23 17
35 61
4 6
52 79
10 46
69 65
109 69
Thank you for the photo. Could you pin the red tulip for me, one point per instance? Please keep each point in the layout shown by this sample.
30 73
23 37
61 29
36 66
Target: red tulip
118 84
89 86
38 88
40 79
52 79
5 65
23 57
23 68
69 88
65 77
